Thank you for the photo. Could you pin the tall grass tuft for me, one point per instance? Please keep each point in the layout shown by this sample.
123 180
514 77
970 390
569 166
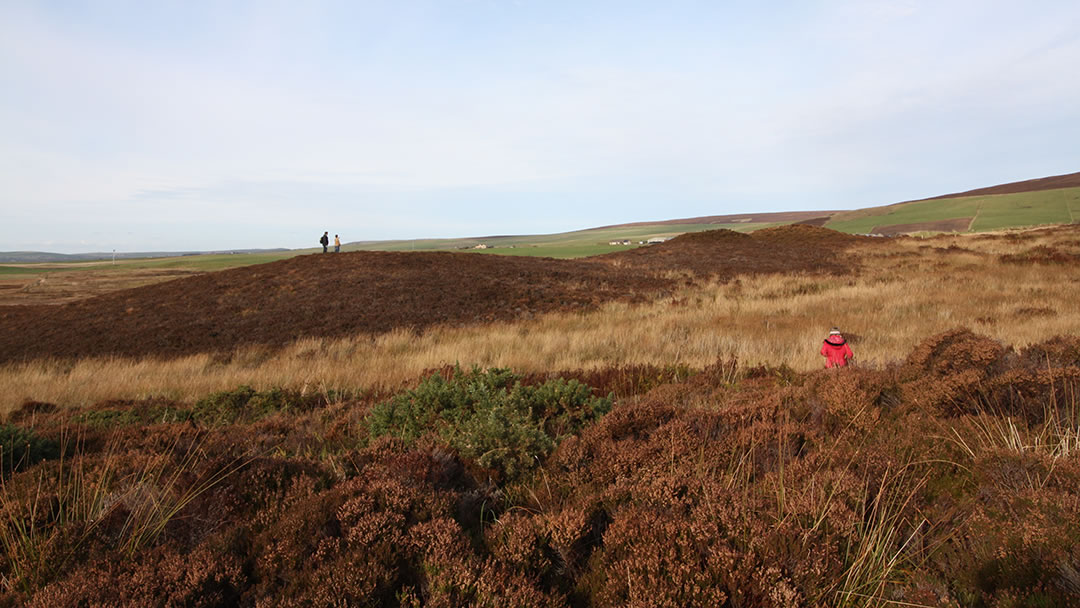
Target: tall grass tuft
46 519
993 427
884 539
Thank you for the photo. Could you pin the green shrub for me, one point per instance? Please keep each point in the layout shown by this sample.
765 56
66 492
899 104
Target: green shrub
223 407
21 448
490 417
133 415
246 404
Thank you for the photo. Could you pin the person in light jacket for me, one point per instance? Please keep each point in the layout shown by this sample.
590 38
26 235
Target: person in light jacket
835 350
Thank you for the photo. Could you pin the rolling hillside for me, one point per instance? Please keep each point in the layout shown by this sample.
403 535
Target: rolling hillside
1036 202
1049 200
375 292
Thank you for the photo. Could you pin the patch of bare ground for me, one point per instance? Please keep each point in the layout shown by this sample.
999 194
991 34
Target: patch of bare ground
959 224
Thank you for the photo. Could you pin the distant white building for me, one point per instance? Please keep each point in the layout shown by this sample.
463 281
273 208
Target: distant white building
655 239
480 246
623 242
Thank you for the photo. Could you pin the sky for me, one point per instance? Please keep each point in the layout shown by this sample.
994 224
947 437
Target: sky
228 124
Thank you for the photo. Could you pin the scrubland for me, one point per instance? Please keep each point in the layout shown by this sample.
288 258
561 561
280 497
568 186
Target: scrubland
683 451
903 291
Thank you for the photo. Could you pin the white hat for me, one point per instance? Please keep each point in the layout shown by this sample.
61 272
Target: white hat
834 332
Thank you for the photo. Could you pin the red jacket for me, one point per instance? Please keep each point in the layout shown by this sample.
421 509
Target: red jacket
836 351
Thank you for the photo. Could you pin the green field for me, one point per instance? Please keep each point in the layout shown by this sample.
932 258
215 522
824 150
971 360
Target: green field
1028 209
575 244
211 261
206 263
993 212
6 270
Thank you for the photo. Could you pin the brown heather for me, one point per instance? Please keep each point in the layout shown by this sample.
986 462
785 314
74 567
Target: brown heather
762 487
944 470
902 291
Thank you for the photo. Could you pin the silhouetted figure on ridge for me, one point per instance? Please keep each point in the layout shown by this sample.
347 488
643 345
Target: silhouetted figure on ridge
325 240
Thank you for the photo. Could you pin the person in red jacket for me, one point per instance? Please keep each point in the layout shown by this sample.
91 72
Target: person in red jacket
835 350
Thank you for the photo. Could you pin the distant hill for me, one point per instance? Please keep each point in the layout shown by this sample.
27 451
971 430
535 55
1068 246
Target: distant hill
1048 200
781 217
33 257
1054 182
1035 202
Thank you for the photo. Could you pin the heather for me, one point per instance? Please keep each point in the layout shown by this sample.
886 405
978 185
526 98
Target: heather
950 477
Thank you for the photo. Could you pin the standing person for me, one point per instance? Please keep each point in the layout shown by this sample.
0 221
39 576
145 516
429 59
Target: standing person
325 240
835 350
337 244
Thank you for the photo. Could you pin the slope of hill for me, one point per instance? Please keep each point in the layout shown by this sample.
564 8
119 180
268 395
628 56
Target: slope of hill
1043 201
1049 200
782 217
1054 182
965 214
374 292
34 257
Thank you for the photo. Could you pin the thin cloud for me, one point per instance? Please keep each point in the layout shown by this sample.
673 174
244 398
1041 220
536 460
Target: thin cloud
254 120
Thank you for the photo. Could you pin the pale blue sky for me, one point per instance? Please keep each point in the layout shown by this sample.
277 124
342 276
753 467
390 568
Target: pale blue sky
191 125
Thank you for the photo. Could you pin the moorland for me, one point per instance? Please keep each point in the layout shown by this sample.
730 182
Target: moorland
649 427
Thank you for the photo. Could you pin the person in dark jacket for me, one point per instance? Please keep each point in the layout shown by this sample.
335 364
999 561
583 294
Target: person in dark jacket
325 240
835 350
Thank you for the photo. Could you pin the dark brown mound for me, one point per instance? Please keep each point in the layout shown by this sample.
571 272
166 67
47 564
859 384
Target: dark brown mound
374 292
314 295
725 253
806 236
816 221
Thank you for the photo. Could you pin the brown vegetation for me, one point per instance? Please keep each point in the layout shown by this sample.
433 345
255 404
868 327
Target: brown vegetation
60 285
950 480
376 292
903 290
944 470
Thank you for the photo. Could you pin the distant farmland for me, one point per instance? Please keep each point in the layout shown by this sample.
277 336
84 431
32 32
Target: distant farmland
982 213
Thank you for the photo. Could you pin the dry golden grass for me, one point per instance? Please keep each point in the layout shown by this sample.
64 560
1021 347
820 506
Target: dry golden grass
907 289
